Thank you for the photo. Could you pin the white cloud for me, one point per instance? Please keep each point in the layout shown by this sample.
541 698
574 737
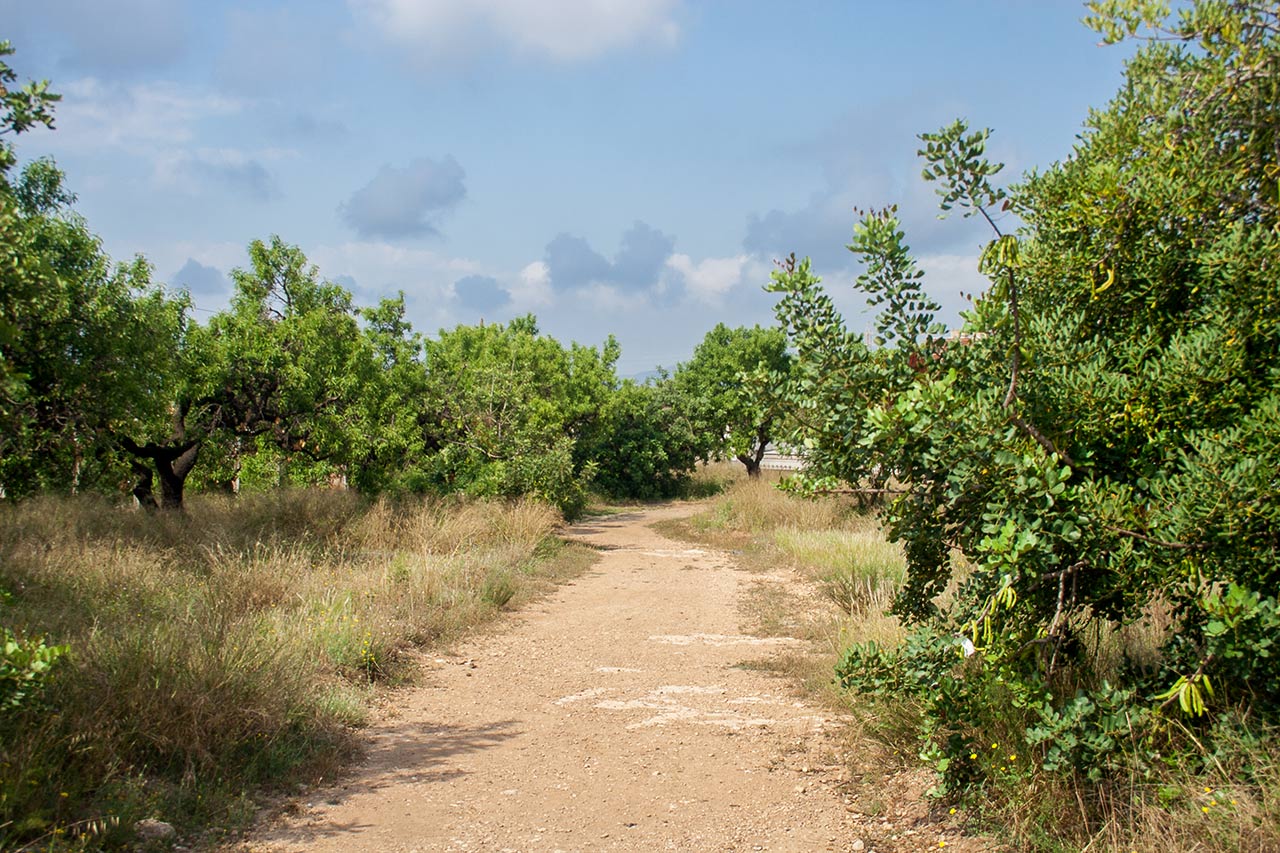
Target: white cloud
384 267
155 125
94 113
379 269
533 288
611 299
561 30
710 279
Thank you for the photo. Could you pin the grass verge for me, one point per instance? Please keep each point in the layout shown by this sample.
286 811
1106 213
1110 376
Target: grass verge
232 646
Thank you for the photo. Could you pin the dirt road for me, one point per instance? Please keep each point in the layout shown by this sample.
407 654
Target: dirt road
615 714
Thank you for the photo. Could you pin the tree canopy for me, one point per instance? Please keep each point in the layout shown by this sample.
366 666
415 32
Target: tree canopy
1101 438
730 385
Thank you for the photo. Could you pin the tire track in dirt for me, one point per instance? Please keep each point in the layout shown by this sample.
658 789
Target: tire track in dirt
615 714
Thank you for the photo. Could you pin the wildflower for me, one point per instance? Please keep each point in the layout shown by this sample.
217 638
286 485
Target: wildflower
973 755
953 810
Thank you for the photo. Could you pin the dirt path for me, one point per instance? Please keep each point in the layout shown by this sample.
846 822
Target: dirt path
613 715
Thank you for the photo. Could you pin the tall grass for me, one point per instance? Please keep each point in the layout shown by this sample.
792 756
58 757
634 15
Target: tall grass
841 550
229 646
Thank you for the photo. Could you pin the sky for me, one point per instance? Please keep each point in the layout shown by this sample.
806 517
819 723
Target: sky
625 167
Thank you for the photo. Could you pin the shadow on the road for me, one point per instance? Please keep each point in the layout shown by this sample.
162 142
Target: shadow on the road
417 749
412 753
600 525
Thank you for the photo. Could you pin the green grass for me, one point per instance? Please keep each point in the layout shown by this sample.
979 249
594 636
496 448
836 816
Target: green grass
233 646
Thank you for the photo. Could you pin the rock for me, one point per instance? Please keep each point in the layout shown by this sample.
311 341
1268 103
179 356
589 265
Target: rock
857 844
154 830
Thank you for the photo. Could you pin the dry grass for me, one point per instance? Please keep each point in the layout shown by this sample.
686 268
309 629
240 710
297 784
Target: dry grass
232 645
842 551
1173 807
852 571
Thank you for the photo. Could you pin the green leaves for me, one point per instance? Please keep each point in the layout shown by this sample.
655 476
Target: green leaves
1100 441
21 108
731 388
25 665
954 158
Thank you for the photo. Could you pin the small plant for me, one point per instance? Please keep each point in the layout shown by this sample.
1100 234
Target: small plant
25 665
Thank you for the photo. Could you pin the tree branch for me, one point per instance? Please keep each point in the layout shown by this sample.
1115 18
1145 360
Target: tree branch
1142 537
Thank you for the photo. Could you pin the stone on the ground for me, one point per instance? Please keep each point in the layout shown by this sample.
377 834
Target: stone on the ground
154 830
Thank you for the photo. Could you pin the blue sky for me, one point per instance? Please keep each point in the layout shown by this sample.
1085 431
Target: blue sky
614 166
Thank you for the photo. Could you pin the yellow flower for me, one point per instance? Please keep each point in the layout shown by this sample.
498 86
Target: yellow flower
953 810
973 755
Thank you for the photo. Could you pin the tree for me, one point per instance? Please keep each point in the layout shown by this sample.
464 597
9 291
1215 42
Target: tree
1103 434
90 353
644 445
730 384
285 365
507 406
395 431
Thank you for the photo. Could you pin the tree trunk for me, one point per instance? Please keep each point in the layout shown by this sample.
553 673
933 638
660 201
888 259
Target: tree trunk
142 489
173 476
172 464
752 460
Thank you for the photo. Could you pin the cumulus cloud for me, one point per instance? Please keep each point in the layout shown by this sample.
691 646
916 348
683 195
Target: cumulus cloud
642 255
819 230
204 283
481 293
559 30
120 37
377 268
711 279
406 202
532 288
868 160
571 263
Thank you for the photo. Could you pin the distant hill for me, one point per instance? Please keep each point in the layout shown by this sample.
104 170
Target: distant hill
645 376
